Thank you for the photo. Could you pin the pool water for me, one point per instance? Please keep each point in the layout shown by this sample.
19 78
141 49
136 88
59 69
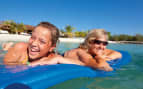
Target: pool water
127 77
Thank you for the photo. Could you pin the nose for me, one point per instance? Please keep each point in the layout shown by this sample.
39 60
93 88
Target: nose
34 43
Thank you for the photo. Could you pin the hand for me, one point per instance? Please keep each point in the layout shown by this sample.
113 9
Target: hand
6 46
103 65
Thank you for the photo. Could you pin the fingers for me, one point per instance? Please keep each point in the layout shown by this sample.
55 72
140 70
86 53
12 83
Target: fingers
6 46
105 68
108 69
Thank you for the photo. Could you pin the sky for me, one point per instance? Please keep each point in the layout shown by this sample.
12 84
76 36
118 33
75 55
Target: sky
115 16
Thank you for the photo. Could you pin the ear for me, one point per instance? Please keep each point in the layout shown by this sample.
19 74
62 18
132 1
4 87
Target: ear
52 47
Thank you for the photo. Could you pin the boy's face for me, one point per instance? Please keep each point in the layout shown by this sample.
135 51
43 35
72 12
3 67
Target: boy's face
40 43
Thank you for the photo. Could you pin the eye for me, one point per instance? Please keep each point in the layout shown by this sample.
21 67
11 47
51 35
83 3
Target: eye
42 42
97 42
105 43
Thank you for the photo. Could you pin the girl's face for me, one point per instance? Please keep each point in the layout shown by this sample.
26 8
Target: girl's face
40 43
97 46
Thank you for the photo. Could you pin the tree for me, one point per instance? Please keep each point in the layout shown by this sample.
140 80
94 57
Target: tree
13 27
114 38
69 30
109 35
139 37
80 34
21 28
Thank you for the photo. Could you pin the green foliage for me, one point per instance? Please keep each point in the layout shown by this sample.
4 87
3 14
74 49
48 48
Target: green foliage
109 35
14 27
69 28
114 38
21 27
139 37
124 37
80 34
68 31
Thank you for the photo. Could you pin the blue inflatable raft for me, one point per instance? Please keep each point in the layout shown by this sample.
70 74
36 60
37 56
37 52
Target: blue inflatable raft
42 77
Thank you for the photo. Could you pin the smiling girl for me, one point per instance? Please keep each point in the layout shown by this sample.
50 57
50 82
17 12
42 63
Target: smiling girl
39 50
93 52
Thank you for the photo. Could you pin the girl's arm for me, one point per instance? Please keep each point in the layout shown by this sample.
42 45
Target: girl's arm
65 60
95 63
112 55
55 60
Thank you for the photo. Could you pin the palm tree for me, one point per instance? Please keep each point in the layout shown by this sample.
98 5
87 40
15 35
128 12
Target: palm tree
69 30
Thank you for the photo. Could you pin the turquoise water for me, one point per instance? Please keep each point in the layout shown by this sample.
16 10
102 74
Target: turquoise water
127 77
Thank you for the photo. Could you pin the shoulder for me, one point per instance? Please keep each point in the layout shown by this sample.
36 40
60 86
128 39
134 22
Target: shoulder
75 51
18 48
71 51
15 53
82 51
21 46
78 50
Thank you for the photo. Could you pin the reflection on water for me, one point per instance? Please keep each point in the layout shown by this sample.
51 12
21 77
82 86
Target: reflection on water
12 69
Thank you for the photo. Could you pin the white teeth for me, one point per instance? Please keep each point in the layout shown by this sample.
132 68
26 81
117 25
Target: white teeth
34 50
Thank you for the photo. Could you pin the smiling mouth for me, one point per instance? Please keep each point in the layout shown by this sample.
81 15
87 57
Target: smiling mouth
33 51
98 50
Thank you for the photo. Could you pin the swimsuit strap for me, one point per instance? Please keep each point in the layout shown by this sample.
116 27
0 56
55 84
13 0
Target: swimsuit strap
28 63
51 55
25 60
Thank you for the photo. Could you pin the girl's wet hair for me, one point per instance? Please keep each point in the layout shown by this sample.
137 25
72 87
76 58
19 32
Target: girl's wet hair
53 29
